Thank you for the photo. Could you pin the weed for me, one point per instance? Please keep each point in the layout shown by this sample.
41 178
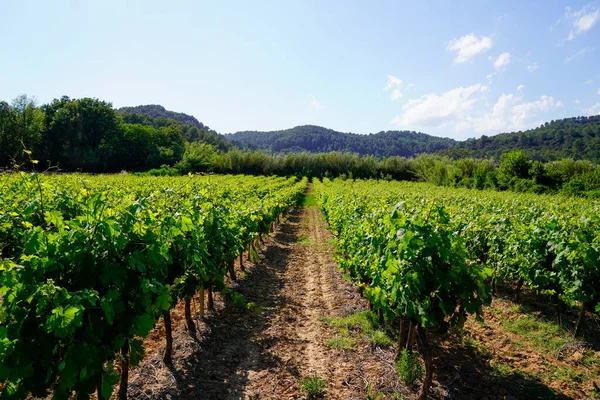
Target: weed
313 386
341 342
380 339
409 367
252 306
373 396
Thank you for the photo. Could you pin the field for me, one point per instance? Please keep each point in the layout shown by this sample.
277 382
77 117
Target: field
264 287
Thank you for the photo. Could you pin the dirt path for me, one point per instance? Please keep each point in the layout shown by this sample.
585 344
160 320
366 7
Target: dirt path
263 350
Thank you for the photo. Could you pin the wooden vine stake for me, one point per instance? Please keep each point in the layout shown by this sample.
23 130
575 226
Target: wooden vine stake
124 371
167 357
580 321
242 263
424 349
411 336
231 271
188 317
402 339
211 303
201 301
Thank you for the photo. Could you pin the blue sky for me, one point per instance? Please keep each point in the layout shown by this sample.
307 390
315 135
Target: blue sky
450 68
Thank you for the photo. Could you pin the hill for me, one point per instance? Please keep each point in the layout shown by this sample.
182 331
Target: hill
192 130
155 111
577 138
316 139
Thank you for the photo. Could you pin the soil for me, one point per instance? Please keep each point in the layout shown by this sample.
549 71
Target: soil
263 349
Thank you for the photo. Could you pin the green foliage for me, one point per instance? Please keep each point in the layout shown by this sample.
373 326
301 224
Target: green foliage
313 387
89 135
514 164
88 264
198 157
409 367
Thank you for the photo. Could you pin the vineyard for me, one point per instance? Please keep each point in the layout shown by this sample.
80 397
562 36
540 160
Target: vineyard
429 257
90 265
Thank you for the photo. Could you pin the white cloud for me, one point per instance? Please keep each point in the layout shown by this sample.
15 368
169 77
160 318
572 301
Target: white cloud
533 67
577 102
520 88
469 46
582 20
502 61
464 110
593 110
598 91
396 95
578 54
411 86
394 83
314 102
589 81
438 110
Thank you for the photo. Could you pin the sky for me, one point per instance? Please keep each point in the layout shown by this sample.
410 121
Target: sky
457 69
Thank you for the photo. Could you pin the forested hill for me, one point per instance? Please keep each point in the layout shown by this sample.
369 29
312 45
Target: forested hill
192 130
155 111
316 139
577 138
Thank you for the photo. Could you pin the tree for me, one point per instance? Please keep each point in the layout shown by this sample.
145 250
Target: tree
80 133
514 164
7 131
21 124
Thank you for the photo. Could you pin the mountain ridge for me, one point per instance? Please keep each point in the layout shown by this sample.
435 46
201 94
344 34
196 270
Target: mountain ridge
574 137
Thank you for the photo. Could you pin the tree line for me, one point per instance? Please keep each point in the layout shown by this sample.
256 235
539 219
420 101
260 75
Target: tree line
89 135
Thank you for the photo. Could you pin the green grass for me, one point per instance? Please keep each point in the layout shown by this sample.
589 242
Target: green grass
309 200
360 325
543 335
365 321
341 342
380 339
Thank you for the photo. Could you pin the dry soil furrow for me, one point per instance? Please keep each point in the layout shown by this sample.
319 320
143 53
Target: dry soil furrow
263 350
